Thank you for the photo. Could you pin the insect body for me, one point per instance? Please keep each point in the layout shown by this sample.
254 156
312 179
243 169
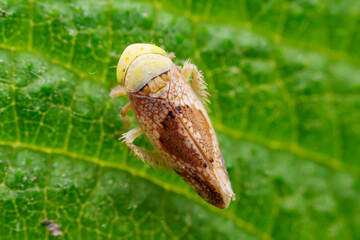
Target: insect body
170 111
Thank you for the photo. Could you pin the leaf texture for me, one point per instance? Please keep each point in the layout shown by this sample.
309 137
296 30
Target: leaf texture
284 78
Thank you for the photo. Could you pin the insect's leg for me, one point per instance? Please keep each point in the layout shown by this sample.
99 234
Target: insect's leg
198 84
171 55
124 117
117 91
153 159
179 68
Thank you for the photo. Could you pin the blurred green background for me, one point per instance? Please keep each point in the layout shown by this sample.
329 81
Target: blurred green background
284 78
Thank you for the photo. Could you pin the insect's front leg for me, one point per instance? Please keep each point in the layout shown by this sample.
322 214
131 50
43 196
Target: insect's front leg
198 84
124 117
117 92
151 158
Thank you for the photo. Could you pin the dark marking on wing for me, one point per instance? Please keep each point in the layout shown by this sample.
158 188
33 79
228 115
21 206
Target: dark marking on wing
178 108
182 109
175 144
170 114
199 124
204 189
164 125
196 179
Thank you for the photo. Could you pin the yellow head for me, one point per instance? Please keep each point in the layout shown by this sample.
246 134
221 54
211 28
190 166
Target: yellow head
139 63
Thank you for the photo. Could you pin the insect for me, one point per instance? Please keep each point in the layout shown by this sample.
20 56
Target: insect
170 111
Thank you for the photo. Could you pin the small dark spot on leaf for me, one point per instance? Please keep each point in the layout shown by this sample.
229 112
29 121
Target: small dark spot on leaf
52 227
211 159
170 114
205 165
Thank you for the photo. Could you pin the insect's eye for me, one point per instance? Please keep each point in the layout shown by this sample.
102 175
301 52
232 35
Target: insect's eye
130 54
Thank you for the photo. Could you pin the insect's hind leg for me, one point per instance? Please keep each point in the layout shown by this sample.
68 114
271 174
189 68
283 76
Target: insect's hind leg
153 159
198 83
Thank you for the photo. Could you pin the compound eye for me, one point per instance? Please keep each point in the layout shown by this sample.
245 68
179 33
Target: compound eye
130 53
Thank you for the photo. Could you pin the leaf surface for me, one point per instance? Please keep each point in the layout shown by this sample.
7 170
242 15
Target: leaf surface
285 83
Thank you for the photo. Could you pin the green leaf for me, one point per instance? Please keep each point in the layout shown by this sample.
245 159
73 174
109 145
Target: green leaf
285 83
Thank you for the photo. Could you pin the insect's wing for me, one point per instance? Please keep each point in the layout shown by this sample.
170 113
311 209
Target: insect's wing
179 129
197 123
